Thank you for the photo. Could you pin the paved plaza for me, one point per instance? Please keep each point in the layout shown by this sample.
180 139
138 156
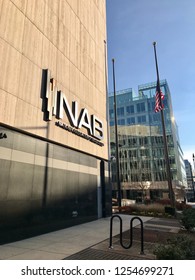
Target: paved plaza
91 241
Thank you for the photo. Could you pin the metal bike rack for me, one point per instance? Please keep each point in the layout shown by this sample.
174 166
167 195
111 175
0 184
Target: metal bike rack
130 231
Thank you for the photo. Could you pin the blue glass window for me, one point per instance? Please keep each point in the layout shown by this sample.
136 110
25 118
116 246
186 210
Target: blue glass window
156 117
130 109
111 123
120 111
111 112
131 120
141 107
141 119
165 103
121 122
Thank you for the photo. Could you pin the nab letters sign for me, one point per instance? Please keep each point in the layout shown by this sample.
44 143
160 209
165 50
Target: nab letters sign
57 105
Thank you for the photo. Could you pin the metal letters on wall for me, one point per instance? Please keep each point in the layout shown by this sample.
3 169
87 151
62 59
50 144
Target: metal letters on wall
56 104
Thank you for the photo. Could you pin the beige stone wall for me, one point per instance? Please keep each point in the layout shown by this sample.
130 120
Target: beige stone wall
65 36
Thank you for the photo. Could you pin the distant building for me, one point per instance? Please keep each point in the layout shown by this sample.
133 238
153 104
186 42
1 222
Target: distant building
190 182
141 149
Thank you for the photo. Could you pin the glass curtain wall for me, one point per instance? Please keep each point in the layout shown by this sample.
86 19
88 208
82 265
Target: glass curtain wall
141 149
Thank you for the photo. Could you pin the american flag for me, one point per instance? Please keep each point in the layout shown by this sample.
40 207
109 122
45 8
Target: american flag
158 98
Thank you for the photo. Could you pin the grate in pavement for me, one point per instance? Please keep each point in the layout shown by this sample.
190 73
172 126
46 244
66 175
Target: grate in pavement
165 222
94 254
101 251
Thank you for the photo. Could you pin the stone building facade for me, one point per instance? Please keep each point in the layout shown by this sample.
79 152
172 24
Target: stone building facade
53 119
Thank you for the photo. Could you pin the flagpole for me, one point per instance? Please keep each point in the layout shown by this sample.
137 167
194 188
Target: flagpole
116 140
168 168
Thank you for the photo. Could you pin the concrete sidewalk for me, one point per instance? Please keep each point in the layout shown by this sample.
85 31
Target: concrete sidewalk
63 243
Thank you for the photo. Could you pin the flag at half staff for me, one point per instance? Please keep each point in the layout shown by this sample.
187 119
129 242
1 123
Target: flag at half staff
158 98
159 107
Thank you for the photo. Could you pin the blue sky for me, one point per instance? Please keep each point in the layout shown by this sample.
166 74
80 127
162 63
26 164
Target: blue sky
132 27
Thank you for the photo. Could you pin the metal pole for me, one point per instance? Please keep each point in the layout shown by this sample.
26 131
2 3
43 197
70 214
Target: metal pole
105 195
116 140
168 168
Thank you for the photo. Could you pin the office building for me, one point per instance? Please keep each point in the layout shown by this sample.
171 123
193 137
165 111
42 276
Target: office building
190 192
141 150
53 121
